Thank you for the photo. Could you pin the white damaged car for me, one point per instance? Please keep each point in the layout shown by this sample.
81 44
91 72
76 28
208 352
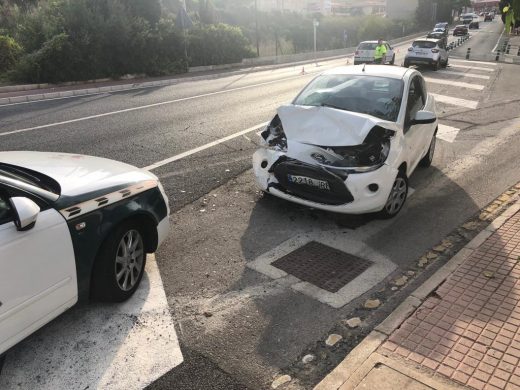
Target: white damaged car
350 140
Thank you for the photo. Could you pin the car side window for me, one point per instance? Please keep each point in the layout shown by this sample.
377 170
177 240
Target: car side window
5 208
416 101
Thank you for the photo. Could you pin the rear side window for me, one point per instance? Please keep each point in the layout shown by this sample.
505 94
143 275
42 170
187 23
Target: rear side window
424 44
367 46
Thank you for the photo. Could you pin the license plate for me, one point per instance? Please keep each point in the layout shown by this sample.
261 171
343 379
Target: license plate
309 181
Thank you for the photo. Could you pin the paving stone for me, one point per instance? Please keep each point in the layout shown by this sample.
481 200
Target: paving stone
282 380
472 225
422 262
333 339
372 303
353 322
410 273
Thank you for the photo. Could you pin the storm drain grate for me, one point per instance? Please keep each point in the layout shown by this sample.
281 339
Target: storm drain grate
325 267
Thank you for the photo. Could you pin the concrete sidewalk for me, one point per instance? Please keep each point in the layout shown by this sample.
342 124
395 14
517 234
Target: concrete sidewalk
459 330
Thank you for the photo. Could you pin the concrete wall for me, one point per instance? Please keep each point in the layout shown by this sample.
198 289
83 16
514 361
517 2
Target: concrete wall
401 9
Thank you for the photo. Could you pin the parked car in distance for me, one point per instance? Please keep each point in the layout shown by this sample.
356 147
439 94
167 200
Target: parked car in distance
442 25
471 20
349 141
461 29
366 50
430 52
72 227
489 17
438 35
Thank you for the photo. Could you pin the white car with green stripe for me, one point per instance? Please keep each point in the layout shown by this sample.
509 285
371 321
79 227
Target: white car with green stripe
72 227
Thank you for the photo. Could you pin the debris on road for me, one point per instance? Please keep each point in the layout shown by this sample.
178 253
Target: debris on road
399 282
372 303
333 339
282 380
353 322
308 358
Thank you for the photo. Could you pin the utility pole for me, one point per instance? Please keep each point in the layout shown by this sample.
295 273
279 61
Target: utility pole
256 28
315 23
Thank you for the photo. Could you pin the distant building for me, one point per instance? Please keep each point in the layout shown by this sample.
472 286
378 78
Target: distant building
401 9
299 6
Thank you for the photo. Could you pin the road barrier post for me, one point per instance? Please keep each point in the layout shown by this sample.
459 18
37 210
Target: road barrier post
508 48
498 55
468 53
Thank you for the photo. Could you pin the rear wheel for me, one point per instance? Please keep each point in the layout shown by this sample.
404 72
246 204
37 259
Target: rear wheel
436 65
119 265
397 197
393 60
406 64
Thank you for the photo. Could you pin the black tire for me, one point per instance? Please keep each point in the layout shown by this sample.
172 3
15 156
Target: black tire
393 60
105 285
445 64
426 161
406 64
2 361
435 66
397 197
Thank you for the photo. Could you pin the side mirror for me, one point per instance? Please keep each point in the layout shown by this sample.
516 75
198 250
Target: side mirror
423 118
25 212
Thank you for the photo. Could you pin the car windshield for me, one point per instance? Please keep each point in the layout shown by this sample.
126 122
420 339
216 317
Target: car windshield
372 95
31 177
367 46
424 44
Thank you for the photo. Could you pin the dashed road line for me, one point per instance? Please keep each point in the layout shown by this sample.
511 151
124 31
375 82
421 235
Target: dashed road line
203 147
453 65
447 133
473 104
459 84
462 74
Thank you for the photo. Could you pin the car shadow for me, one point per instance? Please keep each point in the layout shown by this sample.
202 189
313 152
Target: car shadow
96 345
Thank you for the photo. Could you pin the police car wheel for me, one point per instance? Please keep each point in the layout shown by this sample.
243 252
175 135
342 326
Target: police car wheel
119 265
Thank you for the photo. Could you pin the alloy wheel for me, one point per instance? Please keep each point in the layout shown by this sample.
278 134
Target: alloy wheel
129 260
397 196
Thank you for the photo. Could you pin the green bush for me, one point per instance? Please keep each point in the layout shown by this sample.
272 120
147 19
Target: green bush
10 52
217 44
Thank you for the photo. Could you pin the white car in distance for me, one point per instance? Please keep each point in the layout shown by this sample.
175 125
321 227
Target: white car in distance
350 140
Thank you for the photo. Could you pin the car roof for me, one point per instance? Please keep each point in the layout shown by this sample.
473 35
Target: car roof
460 25
393 72
427 40
371 42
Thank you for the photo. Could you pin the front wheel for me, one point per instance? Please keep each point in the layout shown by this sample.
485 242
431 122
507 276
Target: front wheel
426 161
119 265
397 197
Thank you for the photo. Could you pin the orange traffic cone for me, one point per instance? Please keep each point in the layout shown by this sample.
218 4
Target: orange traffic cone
303 70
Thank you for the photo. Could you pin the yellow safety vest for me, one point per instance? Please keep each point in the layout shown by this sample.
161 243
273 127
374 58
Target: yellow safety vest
380 51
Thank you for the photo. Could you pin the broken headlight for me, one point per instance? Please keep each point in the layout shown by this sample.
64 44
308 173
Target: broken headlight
274 135
368 156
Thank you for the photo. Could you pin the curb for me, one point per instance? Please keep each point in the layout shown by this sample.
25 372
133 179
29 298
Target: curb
173 81
353 361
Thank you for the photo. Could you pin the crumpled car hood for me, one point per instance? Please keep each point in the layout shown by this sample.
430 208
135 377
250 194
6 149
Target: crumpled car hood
327 126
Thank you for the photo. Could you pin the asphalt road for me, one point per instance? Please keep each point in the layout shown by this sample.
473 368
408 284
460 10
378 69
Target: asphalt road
203 264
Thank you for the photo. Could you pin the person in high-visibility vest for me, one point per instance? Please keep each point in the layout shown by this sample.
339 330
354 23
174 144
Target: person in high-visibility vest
510 18
380 52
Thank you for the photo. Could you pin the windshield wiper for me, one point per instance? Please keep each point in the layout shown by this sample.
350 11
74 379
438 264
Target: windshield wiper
332 106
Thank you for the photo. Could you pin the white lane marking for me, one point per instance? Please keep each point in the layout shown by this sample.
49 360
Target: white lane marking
473 62
452 65
455 101
470 75
143 107
100 346
447 133
498 41
460 84
203 147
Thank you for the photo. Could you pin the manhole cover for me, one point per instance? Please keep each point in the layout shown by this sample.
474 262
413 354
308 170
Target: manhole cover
325 267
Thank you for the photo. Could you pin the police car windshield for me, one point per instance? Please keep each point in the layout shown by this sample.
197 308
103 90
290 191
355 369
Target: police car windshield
31 177
372 95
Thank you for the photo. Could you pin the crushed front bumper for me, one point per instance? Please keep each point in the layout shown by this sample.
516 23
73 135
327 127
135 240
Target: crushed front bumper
348 195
